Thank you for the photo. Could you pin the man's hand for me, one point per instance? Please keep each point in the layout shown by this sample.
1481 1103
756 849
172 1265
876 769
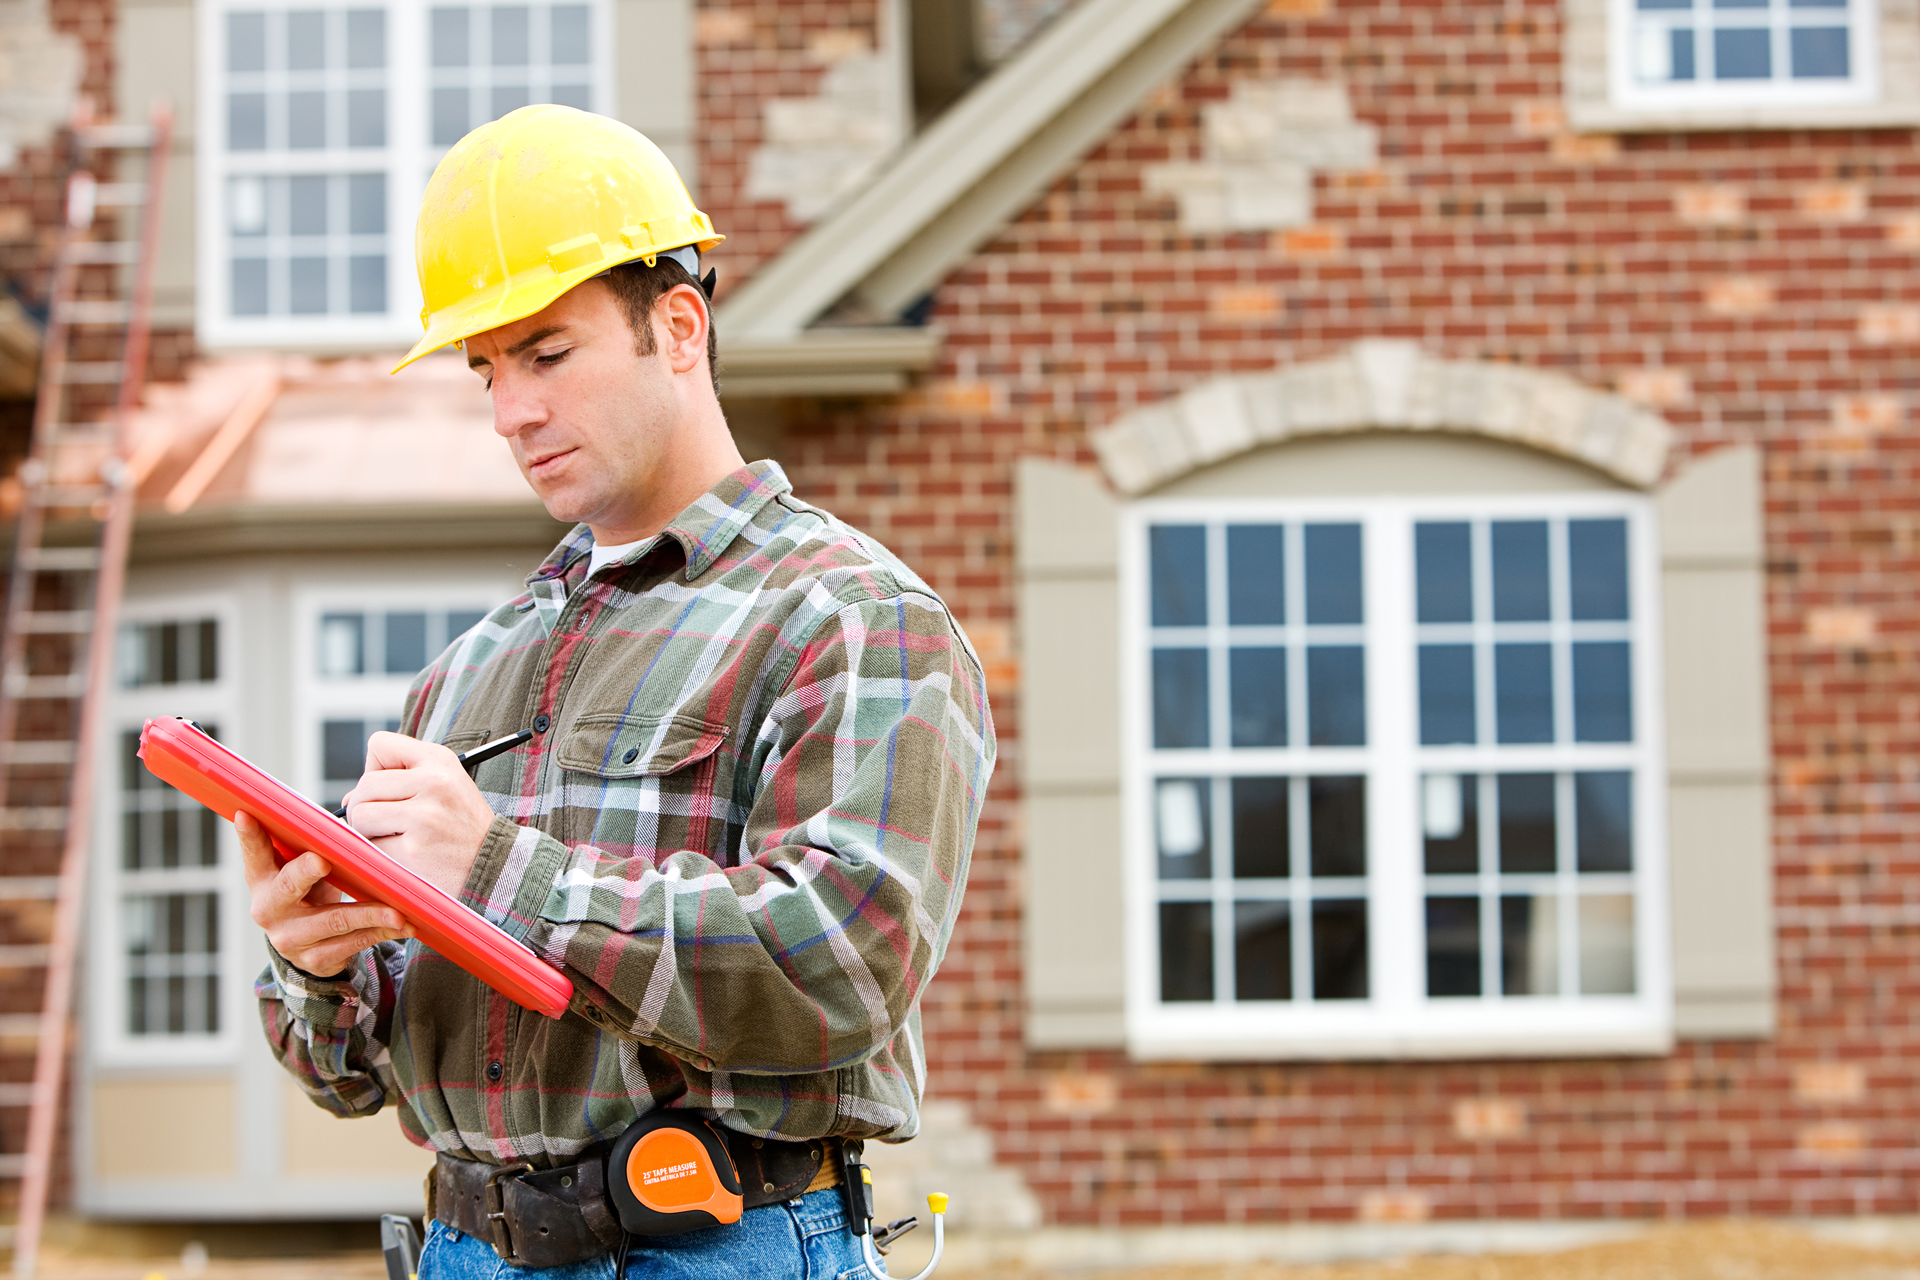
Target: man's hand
421 808
308 921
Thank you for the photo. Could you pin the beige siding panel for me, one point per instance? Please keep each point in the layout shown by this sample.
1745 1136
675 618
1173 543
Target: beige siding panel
320 1144
653 78
174 1128
1718 749
154 58
1076 991
1069 635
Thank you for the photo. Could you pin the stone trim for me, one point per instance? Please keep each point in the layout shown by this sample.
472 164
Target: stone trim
1383 384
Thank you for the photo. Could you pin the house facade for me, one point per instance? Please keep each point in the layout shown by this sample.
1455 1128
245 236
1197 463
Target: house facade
1429 485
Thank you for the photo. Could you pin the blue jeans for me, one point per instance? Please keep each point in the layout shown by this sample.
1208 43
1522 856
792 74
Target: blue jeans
804 1239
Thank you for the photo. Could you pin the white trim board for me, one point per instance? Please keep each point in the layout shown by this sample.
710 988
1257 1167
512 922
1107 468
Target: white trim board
981 162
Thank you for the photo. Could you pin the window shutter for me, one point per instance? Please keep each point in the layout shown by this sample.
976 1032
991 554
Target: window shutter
1718 754
1067 569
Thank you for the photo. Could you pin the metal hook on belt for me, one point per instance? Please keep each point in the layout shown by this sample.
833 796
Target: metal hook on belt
937 1205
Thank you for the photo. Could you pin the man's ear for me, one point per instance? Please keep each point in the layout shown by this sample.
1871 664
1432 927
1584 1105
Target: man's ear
680 320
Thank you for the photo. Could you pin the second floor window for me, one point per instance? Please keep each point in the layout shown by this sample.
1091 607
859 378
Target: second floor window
1721 53
326 123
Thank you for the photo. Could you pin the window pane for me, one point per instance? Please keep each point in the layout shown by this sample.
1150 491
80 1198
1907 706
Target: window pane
249 287
1180 698
367 203
1444 571
1603 820
1178 555
461 621
406 648
1336 696
306 120
1260 827
1602 693
306 40
1183 822
1262 951
307 205
1520 571
510 36
341 644
1333 574
367 117
571 33
1337 822
1256 575
1450 821
1340 949
572 95
1257 686
1530 945
1663 4
1742 54
1453 946
366 38
207 646
307 286
449 116
1606 945
1680 46
1818 52
246 42
1597 580
343 750
1527 837
1523 692
246 122
367 285
1186 951
1446 694
450 42
507 98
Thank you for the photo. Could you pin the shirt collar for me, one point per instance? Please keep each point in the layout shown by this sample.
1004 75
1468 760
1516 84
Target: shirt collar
705 529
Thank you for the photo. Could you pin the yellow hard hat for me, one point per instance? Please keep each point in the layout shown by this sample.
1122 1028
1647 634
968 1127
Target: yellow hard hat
525 208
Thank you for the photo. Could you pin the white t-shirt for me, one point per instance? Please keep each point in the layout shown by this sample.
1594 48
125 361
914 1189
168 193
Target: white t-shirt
604 556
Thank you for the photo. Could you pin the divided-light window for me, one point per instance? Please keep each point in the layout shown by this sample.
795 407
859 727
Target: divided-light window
1732 53
327 120
1394 783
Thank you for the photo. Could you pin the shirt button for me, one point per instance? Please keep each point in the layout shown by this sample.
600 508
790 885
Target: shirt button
540 724
495 1071
631 756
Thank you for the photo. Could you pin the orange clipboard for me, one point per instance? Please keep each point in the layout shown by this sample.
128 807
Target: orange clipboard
178 752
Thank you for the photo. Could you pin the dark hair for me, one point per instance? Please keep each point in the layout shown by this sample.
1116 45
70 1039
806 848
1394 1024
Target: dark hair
637 286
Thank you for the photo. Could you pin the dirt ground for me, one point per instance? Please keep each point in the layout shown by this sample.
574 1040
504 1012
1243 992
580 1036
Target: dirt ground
1700 1251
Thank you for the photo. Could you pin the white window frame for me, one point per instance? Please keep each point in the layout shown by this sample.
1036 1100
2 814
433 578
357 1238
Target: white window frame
1860 88
371 697
407 161
217 702
1397 1019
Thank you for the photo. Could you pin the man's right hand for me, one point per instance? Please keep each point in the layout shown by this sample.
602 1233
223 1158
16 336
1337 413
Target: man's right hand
309 922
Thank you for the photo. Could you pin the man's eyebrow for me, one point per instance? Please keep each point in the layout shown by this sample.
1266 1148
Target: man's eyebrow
537 336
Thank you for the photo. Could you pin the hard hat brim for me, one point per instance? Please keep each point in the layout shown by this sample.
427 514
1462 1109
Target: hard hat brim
539 289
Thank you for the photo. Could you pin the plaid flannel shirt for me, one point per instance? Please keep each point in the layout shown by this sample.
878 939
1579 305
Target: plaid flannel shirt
743 832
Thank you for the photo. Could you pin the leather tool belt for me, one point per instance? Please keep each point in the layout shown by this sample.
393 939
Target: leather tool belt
556 1217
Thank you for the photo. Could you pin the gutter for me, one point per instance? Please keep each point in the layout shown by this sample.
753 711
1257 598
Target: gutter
825 362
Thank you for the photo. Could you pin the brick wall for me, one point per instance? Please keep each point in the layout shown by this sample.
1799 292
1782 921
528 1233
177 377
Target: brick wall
1751 286
752 52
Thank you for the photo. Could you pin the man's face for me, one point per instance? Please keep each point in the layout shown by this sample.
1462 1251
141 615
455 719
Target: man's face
590 420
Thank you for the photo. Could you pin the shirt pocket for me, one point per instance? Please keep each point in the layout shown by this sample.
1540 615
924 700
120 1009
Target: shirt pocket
619 747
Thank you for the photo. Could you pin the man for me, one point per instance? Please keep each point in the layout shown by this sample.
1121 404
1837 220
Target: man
743 823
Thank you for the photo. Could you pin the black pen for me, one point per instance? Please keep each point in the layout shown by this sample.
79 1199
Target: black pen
477 756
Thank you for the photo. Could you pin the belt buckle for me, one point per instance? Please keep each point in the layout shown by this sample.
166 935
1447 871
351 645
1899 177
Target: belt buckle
497 1209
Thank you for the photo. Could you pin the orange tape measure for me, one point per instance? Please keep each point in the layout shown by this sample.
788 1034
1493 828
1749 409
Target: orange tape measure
670 1173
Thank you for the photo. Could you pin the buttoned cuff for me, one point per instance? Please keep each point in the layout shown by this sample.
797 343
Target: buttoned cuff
512 875
321 1003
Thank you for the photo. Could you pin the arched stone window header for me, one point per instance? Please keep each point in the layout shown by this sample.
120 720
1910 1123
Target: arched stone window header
1382 384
